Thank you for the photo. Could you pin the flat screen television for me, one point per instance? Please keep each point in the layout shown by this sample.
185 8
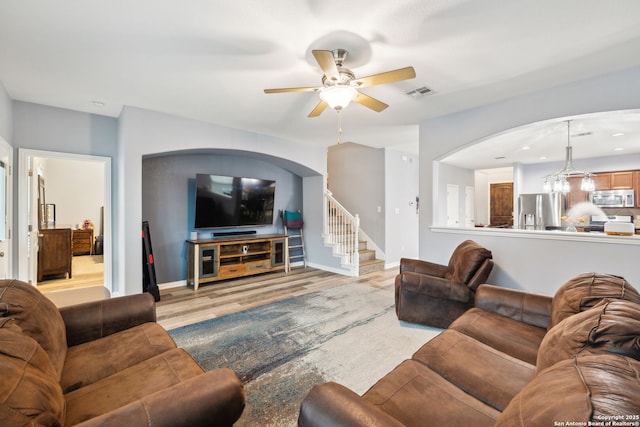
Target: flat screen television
230 201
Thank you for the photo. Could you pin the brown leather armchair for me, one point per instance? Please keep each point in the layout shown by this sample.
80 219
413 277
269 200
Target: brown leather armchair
434 294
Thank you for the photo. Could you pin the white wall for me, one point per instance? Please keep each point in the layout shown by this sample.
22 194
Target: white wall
402 171
76 188
452 175
537 265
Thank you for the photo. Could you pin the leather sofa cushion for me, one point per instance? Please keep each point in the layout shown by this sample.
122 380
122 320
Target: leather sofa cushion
465 261
29 391
89 362
586 290
612 326
518 339
489 375
129 385
38 318
581 389
412 393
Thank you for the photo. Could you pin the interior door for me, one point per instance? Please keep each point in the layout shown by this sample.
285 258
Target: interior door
501 204
6 184
453 206
469 206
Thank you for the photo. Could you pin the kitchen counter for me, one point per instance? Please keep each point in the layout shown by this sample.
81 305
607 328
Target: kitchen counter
592 236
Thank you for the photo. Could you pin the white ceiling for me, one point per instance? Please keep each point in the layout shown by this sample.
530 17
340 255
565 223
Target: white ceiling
211 59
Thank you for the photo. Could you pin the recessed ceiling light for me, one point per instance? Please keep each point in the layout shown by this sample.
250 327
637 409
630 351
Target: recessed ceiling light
526 147
618 149
98 104
618 134
543 157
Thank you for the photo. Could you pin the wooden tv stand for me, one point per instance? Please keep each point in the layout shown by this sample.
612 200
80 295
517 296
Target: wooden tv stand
210 260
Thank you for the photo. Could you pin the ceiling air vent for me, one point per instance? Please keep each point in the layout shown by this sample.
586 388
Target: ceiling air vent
421 91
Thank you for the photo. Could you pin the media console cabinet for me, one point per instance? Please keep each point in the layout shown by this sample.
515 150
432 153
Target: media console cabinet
210 260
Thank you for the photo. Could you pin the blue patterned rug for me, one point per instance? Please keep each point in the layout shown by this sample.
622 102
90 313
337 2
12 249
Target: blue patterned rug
348 334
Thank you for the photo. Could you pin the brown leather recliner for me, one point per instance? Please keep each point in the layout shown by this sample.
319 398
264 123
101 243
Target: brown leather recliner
434 294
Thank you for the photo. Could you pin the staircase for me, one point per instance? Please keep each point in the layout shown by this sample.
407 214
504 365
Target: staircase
367 259
341 233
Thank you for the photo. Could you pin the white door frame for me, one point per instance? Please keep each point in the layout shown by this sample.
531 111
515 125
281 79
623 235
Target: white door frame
6 245
25 156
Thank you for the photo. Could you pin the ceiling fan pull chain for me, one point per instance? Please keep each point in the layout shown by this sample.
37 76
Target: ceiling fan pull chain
339 126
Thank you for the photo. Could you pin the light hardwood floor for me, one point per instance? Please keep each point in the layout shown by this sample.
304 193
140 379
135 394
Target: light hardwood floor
182 306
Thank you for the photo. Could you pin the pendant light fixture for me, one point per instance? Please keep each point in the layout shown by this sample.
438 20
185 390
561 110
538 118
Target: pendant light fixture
557 182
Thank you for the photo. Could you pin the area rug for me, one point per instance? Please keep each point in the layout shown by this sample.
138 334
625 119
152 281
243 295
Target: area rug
348 334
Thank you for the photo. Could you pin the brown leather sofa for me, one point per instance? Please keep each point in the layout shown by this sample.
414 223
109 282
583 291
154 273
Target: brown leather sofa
515 359
435 294
106 363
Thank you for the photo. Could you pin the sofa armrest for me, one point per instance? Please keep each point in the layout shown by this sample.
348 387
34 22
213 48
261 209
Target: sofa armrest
92 320
333 405
481 274
422 267
215 398
526 307
436 287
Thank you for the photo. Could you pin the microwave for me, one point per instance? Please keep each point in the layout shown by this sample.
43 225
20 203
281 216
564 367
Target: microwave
613 198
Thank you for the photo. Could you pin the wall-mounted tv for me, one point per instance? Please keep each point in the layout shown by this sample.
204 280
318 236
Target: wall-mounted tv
229 201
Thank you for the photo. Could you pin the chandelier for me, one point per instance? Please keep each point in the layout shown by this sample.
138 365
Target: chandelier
557 182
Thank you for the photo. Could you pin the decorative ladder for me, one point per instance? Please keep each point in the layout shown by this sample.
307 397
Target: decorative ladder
293 229
341 232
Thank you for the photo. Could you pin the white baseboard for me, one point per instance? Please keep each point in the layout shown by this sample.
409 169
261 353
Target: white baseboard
169 285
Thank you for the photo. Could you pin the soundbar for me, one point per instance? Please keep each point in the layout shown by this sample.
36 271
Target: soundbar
233 233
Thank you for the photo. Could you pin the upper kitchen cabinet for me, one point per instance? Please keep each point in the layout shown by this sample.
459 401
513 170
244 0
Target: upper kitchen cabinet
621 180
602 181
614 180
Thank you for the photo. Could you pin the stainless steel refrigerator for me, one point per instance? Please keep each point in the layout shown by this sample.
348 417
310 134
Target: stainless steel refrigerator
542 211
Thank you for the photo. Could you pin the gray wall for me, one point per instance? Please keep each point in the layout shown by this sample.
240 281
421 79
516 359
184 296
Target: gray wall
357 180
6 115
145 133
168 189
39 127
537 265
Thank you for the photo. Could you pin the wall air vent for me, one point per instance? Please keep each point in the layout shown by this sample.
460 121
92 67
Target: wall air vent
421 91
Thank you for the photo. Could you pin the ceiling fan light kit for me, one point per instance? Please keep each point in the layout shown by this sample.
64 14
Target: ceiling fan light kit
340 85
557 181
338 97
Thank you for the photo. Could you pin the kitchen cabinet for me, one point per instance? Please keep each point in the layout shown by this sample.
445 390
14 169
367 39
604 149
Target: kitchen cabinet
636 187
602 181
576 195
614 180
621 180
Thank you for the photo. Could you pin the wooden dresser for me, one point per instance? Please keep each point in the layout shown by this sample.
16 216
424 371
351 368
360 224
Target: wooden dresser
54 253
82 241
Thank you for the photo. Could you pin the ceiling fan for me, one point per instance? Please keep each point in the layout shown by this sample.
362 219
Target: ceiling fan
340 85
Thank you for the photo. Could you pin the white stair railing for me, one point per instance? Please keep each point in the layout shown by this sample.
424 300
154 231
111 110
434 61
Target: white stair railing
341 232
